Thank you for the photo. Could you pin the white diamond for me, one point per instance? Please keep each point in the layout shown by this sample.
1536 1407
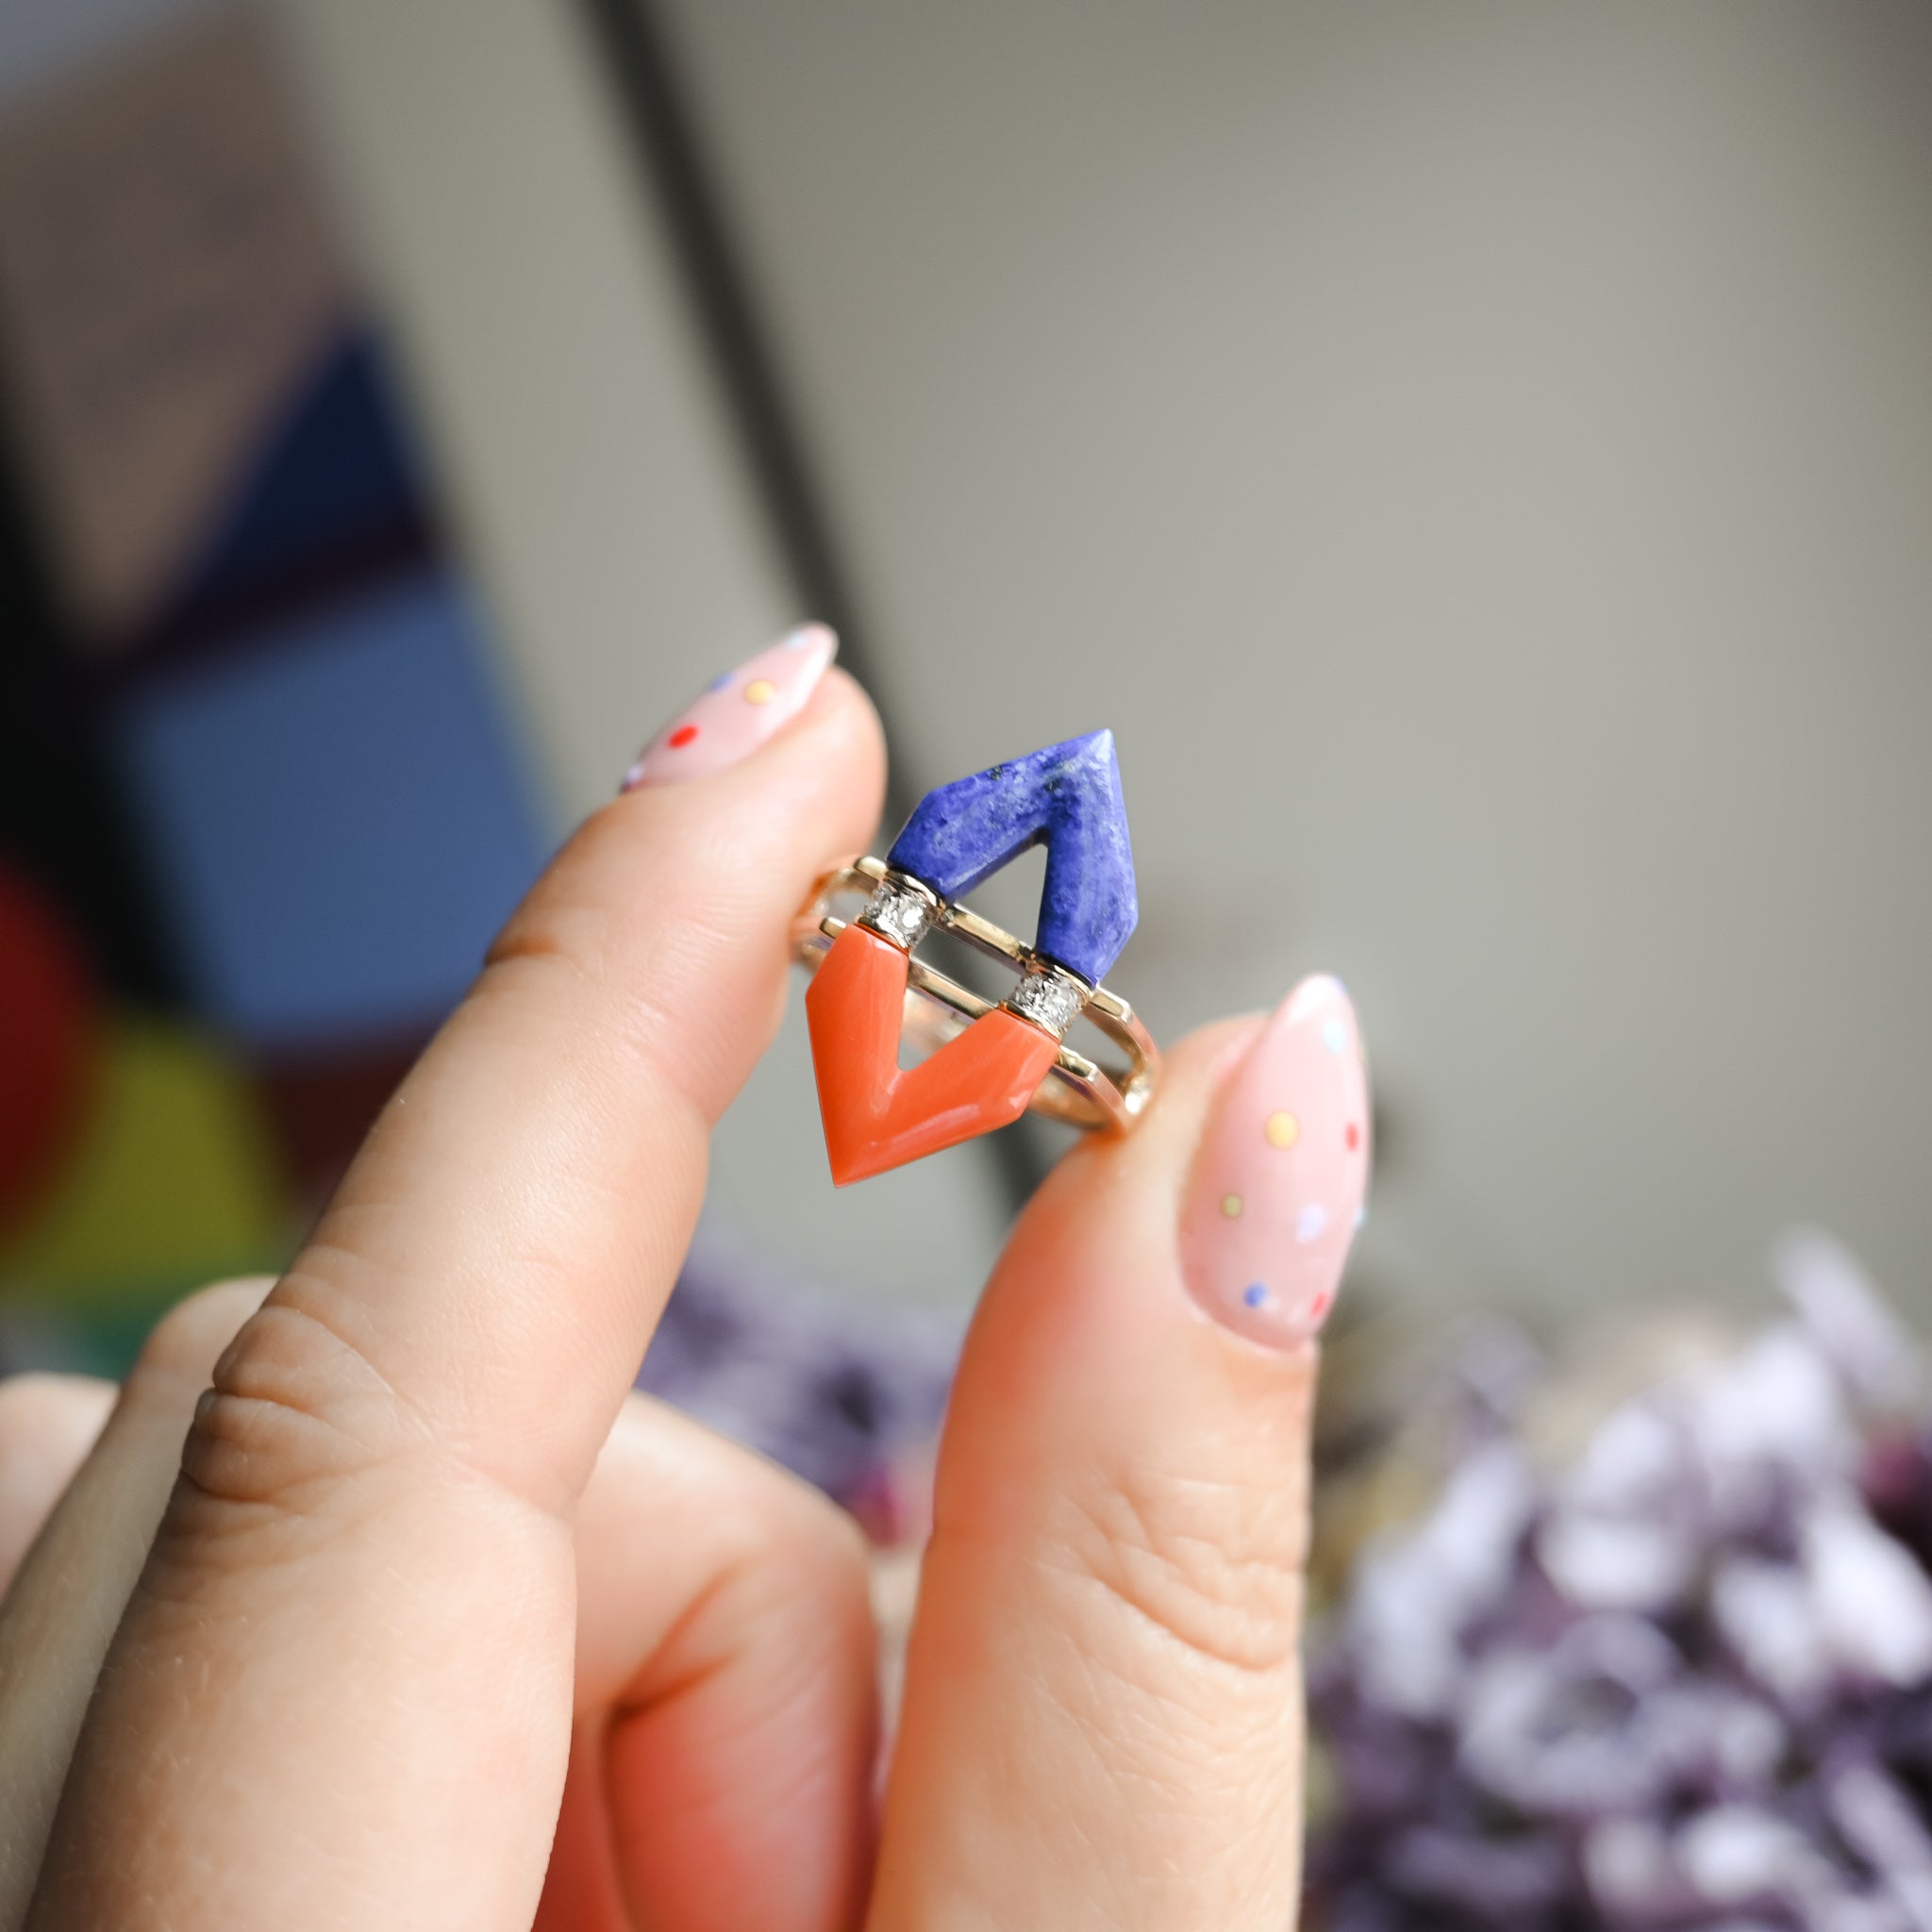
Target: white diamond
900 912
1049 1000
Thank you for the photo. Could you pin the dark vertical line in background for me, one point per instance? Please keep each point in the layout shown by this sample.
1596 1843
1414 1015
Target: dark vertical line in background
637 64
640 71
62 816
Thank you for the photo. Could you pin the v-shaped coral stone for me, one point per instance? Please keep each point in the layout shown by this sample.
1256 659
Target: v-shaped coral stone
877 1116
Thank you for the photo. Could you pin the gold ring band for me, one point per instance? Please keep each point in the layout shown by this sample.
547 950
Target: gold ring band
1078 1091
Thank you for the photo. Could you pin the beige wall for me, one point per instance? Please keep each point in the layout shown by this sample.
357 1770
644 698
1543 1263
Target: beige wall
1478 457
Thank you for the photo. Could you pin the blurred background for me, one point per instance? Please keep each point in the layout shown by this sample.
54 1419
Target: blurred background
1477 459
1479 464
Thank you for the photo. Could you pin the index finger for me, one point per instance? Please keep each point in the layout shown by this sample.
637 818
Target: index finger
341 1690
499 1253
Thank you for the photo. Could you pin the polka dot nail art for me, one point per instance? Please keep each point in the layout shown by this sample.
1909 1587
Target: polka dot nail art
738 711
1279 1182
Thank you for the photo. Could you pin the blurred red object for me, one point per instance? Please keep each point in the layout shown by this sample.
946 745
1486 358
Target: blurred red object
48 1035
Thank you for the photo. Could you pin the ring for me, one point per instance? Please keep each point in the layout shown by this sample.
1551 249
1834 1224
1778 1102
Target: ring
986 1062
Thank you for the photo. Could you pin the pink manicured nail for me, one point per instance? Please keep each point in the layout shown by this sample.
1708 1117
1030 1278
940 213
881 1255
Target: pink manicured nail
739 712
1278 1188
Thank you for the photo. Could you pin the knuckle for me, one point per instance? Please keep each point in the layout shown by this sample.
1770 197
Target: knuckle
796 1582
1210 1566
543 942
564 922
777 1504
767 1511
818 1533
292 1420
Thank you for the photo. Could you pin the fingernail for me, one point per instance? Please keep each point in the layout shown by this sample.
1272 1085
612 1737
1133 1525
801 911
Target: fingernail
1278 1183
739 712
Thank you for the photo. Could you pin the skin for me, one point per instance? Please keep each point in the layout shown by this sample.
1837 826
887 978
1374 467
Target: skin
374 1583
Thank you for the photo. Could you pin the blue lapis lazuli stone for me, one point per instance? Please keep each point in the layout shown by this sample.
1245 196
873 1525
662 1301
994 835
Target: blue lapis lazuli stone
1068 796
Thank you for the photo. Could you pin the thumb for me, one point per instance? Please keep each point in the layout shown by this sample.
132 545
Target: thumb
1103 1716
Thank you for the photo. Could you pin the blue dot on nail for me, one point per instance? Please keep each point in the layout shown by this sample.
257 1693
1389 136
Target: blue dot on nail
1334 1036
719 683
1256 1294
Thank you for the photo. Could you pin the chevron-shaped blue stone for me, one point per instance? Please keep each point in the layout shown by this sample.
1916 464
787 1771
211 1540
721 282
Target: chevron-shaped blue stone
1068 796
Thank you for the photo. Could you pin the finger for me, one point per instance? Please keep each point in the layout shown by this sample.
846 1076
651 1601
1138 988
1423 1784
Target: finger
1102 1723
582 1891
726 1693
500 1250
47 1424
371 1536
58 1617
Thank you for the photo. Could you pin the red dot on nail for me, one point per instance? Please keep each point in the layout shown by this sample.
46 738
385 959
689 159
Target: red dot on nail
1319 1306
685 733
1353 1135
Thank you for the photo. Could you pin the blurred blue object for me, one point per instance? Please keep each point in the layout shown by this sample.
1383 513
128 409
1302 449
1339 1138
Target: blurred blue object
334 489
337 814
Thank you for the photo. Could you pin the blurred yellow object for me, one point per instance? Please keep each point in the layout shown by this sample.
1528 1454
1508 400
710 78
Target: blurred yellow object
172 1182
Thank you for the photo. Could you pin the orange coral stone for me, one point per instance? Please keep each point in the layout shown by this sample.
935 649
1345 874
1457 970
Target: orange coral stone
878 1116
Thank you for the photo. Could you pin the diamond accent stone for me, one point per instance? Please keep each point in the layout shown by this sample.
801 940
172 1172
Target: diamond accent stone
1049 999
900 912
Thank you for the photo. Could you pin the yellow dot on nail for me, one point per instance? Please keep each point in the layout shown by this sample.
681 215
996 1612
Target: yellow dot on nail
1283 1130
1231 1206
760 690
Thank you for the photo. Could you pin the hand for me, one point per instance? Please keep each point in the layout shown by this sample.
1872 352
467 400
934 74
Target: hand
379 1580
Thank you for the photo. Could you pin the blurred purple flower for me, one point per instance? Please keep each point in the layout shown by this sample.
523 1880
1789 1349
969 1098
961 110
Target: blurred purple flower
1683 1682
845 1393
